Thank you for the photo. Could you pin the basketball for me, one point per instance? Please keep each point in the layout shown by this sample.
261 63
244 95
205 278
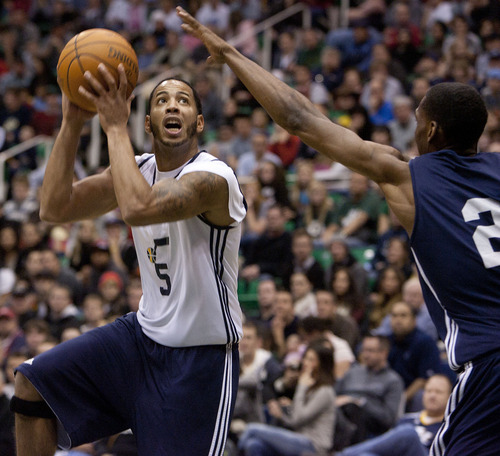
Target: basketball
84 52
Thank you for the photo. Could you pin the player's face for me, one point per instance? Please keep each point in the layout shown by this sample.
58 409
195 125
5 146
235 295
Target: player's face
174 119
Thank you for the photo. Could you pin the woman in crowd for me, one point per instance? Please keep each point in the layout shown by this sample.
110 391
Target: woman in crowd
306 424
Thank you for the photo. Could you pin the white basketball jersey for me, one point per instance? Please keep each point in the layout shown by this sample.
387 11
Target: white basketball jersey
189 268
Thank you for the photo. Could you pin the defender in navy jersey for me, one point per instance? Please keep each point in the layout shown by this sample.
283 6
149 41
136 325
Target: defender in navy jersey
448 200
169 372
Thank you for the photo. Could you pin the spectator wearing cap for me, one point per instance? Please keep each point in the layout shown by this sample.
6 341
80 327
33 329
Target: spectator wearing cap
11 335
62 313
111 289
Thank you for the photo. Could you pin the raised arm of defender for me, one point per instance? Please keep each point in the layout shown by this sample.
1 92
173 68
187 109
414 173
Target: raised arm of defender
299 116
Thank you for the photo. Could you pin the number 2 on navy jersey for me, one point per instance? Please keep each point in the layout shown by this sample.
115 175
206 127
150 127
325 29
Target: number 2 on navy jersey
161 268
483 234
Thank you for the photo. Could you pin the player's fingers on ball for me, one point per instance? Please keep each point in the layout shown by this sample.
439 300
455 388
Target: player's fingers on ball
93 82
110 80
122 78
89 95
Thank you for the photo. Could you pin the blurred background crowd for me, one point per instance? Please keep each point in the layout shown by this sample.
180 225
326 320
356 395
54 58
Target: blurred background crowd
321 254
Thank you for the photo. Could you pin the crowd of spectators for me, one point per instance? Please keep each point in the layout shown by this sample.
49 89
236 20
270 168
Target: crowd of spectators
323 253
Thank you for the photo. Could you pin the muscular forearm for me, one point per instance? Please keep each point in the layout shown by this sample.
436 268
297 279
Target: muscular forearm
131 189
58 179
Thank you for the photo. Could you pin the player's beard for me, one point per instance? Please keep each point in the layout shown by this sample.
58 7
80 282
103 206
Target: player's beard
191 132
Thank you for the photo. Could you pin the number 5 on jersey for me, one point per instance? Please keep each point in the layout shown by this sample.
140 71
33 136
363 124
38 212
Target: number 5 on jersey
160 268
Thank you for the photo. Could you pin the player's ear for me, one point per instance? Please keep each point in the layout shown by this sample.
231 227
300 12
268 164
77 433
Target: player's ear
200 123
147 124
433 131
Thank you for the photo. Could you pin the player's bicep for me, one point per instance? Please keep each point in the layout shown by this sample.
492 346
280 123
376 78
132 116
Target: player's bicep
194 194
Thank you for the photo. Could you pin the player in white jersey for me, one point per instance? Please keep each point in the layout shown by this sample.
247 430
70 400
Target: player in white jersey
170 371
448 201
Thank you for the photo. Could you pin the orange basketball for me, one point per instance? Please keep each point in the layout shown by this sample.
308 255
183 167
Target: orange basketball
84 52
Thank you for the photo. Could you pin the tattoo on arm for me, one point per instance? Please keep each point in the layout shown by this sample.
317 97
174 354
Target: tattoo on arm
195 192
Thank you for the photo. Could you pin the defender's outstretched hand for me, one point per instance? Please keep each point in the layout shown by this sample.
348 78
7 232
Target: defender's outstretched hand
215 45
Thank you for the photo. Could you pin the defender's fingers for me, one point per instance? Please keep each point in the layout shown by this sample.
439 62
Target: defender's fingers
190 24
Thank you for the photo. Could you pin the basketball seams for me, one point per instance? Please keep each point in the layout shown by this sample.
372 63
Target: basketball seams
77 50
85 51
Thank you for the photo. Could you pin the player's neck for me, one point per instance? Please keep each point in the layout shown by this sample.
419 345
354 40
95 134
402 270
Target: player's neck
170 158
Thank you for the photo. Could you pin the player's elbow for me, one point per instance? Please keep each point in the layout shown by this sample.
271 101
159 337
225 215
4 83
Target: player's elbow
49 215
132 218
137 215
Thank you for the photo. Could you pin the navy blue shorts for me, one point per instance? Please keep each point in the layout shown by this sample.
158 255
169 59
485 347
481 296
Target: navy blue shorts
472 421
177 401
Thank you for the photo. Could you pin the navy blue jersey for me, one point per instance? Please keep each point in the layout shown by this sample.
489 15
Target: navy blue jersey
456 244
